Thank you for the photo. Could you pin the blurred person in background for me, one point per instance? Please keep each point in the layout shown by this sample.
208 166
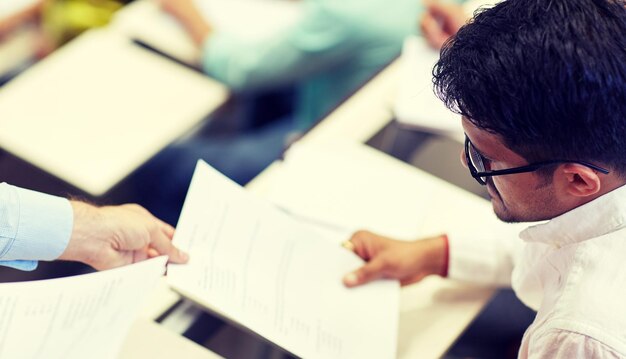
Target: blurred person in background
336 46
31 29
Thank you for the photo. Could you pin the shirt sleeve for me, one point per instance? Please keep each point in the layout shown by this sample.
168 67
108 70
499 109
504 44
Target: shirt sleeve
323 37
484 259
33 226
563 344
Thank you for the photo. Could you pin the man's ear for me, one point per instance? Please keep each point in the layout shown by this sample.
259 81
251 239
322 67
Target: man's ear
578 180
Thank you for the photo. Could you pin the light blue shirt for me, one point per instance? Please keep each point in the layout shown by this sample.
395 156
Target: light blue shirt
33 226
335 47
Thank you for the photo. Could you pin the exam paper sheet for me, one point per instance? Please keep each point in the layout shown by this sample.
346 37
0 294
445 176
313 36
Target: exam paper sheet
279 277
354 186
86 316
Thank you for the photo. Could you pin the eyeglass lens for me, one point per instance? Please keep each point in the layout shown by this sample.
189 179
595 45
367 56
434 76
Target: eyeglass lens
477 160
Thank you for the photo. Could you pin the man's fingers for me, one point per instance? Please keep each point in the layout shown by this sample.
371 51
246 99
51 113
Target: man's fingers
348 245
140 255
367 273
437 9
167 229
443 11
450 17
163 245
153 253
361 244
413 279
432 31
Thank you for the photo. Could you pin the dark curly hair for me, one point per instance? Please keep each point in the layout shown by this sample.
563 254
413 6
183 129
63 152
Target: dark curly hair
548 76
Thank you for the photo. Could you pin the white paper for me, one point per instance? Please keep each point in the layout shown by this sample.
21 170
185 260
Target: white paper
417 105
86 316
250 20
279 277
105 122
354 186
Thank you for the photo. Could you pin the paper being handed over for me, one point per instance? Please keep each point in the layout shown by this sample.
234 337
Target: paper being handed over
279 277
86 316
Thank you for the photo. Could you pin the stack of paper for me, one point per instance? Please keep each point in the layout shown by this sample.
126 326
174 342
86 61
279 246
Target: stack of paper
257 266
77 317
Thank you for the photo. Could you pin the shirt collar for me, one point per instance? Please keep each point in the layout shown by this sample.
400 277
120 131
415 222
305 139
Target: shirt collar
603 215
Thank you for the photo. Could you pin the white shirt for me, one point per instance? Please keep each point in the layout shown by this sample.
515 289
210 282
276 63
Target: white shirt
571 269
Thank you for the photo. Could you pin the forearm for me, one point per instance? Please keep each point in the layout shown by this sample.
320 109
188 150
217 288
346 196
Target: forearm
189 16
197 27
483 259
33 226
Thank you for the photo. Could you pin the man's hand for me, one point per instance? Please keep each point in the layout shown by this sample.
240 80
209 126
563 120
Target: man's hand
113 236
408 262
189 16
441 21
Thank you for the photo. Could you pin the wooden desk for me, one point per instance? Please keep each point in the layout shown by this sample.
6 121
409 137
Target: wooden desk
98 108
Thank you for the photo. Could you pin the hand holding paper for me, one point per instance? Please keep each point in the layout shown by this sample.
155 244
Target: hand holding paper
277 276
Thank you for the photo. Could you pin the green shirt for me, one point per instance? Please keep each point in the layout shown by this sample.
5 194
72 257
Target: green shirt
334 48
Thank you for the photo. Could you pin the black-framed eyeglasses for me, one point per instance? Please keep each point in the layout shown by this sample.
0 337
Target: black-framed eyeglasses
476 164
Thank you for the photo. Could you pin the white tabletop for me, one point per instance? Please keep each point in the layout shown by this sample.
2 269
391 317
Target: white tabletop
98 108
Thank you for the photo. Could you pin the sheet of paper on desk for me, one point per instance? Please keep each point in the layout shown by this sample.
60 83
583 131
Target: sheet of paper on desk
86 316
353 186
103 107
417 105
247 19
261 268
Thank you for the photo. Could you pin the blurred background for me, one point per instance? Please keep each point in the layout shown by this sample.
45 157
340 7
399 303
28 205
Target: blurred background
265 89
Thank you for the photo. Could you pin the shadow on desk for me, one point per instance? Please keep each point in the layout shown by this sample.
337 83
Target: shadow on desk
436 154
45 270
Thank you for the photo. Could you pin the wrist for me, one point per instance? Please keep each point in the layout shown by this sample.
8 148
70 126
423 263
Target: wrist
196 26
437 255
446 256
86 226
199 31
